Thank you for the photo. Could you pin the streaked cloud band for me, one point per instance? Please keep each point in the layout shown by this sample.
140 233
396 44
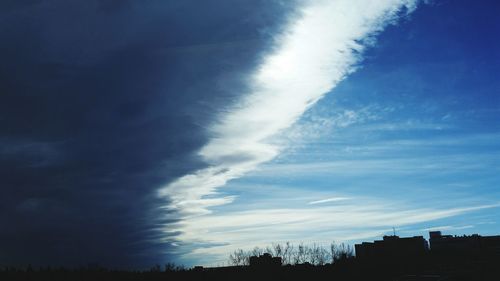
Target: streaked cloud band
318 49
311 56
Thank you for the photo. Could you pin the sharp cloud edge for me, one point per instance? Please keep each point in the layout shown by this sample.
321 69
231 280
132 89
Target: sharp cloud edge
314 53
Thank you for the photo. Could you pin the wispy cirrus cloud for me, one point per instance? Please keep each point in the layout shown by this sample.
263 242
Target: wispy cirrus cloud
448 227
360 218
329 200
316 51
320 47
390 166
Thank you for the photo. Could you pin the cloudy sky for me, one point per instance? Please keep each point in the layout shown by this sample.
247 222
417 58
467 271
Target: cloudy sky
143 132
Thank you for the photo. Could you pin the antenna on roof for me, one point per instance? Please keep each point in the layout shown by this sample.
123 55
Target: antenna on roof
394 231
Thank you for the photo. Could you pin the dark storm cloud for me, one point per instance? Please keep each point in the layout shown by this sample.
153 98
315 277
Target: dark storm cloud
101 103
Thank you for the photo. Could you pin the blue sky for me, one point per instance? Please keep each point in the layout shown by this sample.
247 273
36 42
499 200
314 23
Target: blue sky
134 134
409 140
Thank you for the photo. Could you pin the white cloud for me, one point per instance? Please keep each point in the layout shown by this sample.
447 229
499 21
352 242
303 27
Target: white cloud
329 200
321 125
311 57
449 164
360 219
448 227
317 50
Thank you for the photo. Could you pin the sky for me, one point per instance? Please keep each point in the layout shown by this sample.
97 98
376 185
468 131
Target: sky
139 133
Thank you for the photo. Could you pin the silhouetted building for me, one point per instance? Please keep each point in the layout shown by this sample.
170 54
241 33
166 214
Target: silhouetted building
473 245
393 247
265 260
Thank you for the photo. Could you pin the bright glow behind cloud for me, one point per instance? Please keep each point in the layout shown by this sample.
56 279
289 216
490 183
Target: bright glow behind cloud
314 53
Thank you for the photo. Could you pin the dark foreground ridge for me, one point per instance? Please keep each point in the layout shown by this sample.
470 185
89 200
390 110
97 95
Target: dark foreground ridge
445 257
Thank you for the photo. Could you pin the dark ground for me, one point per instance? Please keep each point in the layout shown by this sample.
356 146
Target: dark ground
429 269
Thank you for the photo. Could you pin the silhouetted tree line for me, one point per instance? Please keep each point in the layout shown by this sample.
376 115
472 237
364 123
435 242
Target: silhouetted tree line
301 261
296 254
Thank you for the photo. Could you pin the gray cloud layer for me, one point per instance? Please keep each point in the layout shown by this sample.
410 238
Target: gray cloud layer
102 102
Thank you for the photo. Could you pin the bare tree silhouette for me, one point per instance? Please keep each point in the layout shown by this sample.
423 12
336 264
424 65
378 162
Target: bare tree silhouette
340 251
314 254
